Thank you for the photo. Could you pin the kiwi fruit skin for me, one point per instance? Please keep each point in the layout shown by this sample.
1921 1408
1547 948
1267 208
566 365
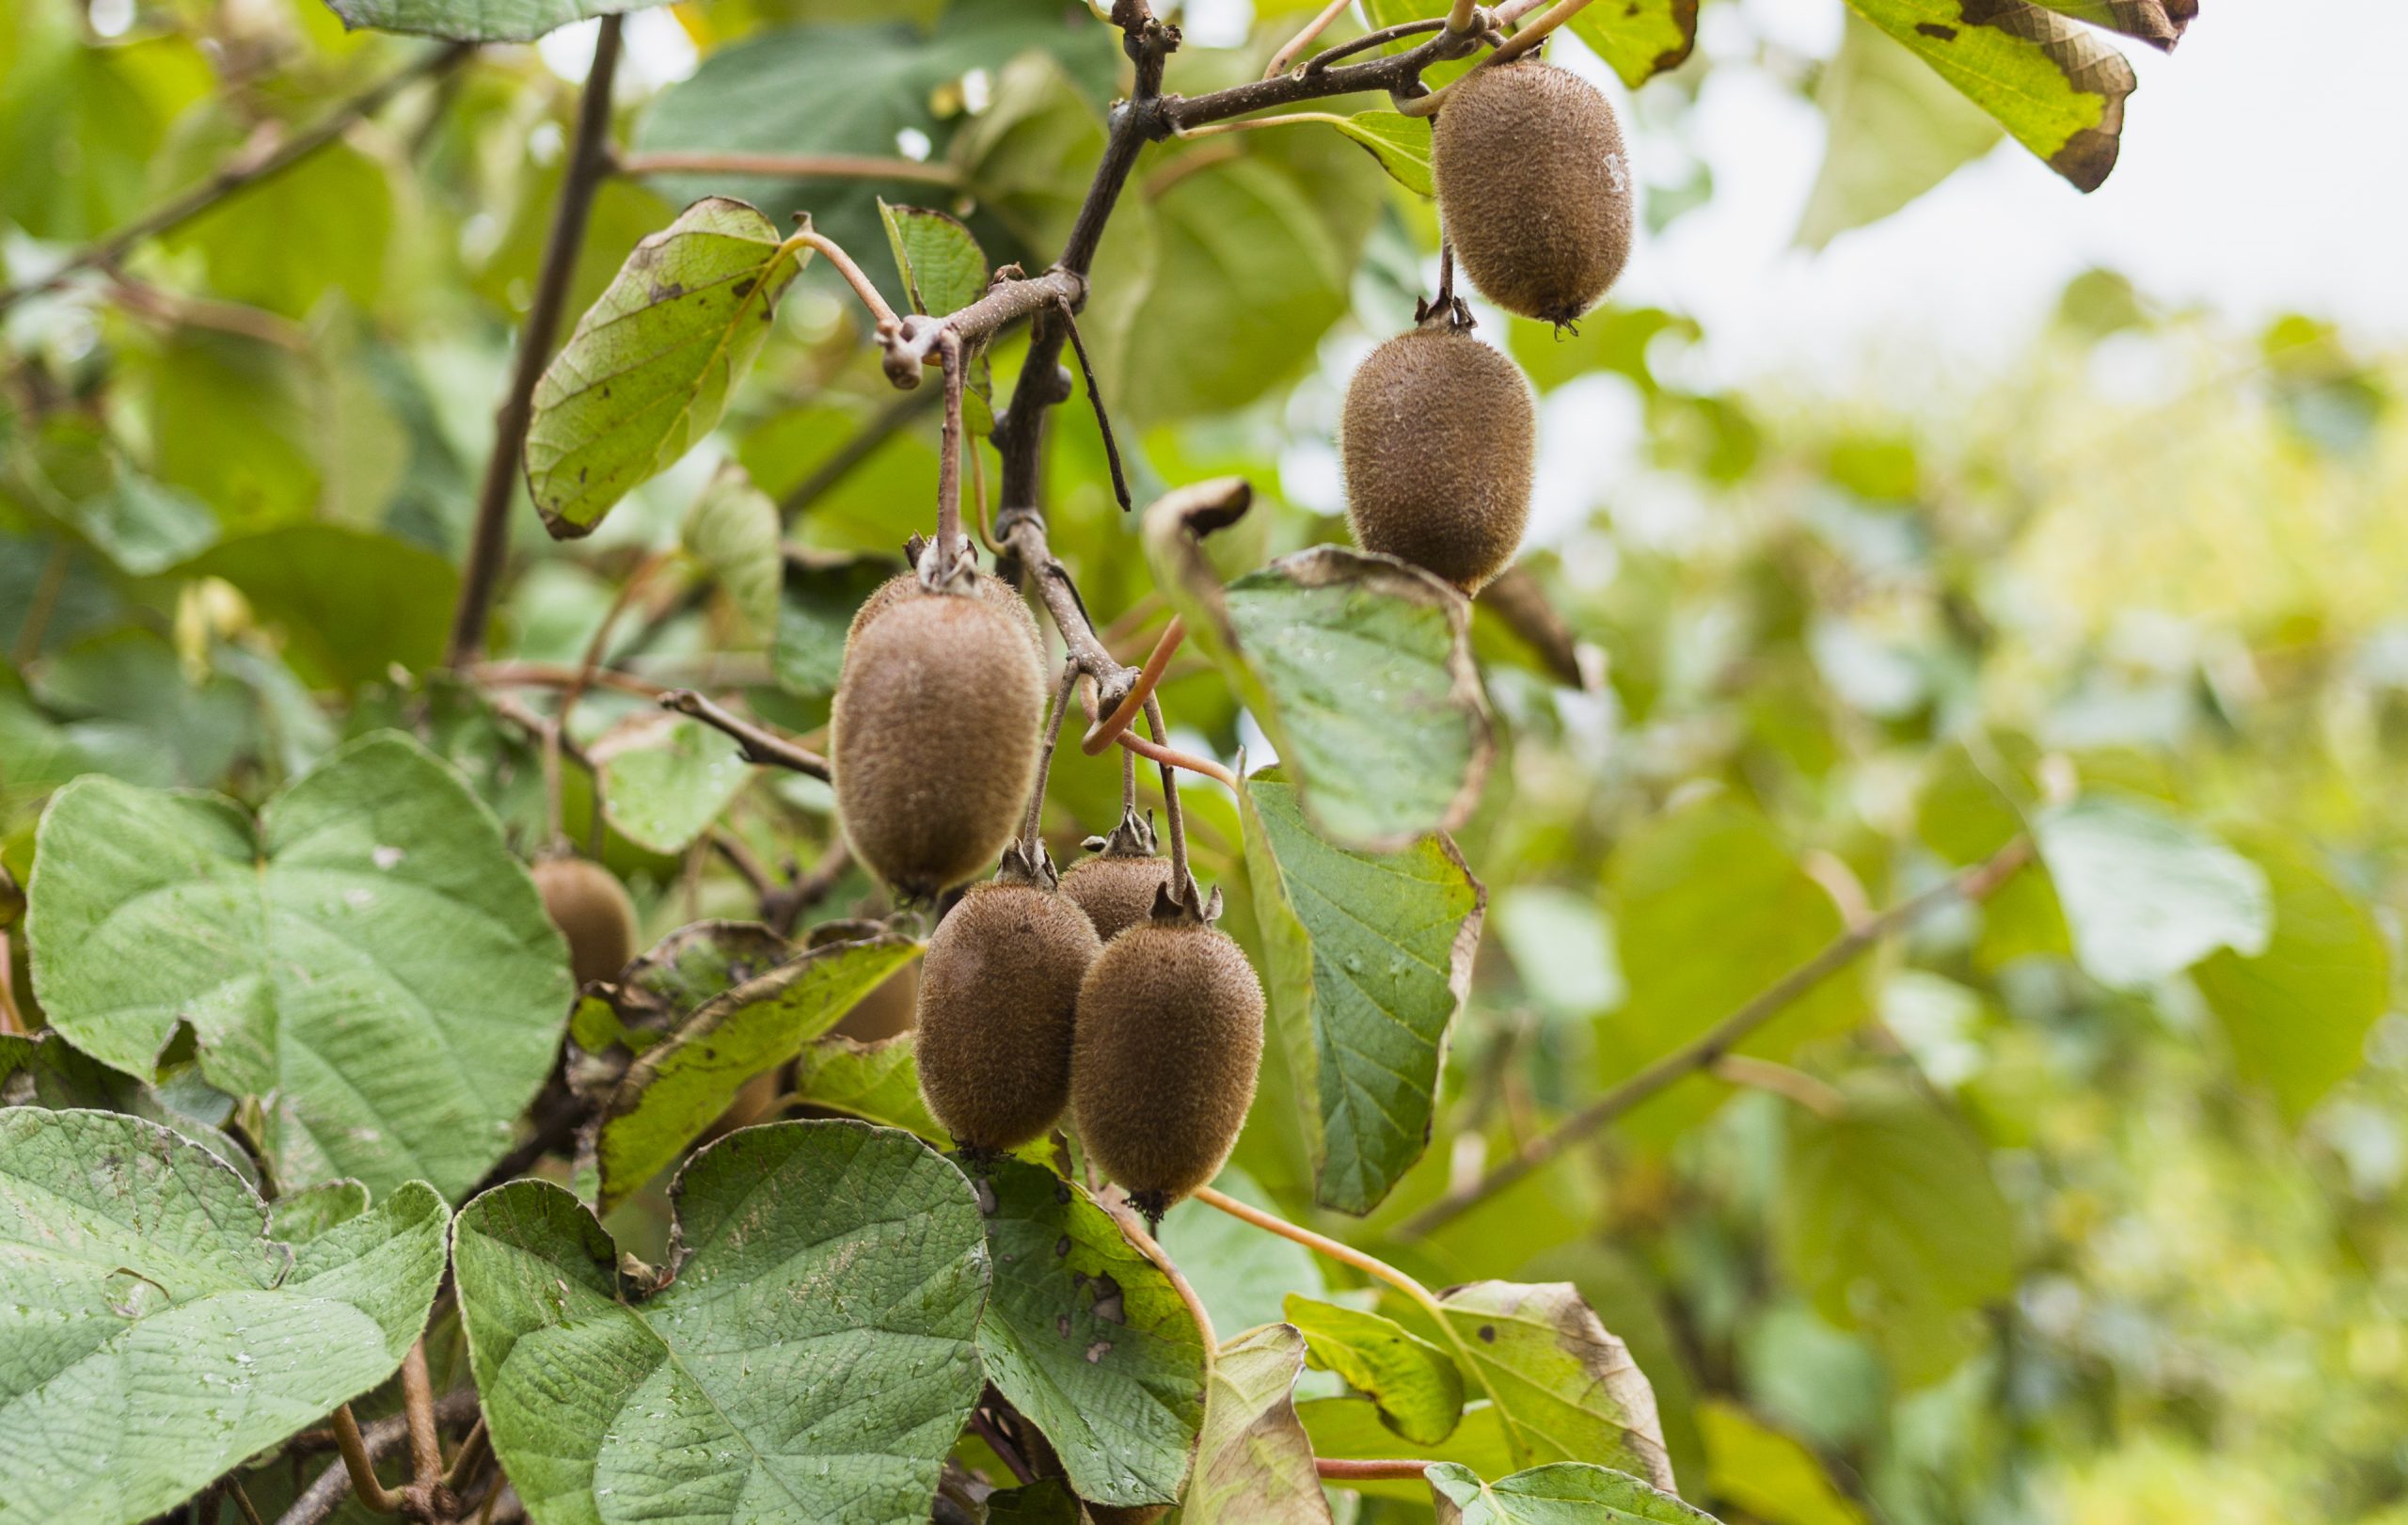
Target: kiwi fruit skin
1169 1043
589 906
1116 891
933 739
993 589
999 992
1438 441
1534 187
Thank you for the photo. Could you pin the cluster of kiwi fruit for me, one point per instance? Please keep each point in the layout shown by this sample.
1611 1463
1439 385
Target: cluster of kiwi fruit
1439 432
1105 993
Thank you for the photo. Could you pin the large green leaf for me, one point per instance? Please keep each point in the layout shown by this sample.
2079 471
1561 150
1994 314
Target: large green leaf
1897 130
479 21
324 225
2148 895
876 1082
1891 1220
665 778
351 604
81 127
1640 38
809 1362
620 1018
1710 908
2297 1014
1772 1476
367 960
676 1086
649 369
732 529
159 1334
1367 958
942 266
1565 1388
1417 1386
1255 1463
1565 1493
2056 88
1089 1339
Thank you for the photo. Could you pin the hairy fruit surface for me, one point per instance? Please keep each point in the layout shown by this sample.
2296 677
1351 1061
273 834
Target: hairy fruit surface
999 992
992 589
1116 891
1534 187
589 906
1438 441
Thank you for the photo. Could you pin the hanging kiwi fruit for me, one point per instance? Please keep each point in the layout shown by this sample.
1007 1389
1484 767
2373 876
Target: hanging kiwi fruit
999 992
933 738
589 906
1169 1041
1118 886
1438 441
1534 187
994 590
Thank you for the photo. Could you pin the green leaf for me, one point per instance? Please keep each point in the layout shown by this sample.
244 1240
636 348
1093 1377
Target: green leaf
673 1089
1043 1502
1896 131
351 604
1400 143
1242 1274
2298 1013
368 960
1890 1219
144 526
2148 895
478 21
324 225
1350 1429
63 1080
1770 1475
1563 1387
876 1082
1089 1339
620 1019
1710 909
2058 89
147 1288
817 596
943 267
1565 1493
750 1387
665 778
1417 1386
1254 1464
1367 958
1255 259
82 126
733 529
1640 38
650 367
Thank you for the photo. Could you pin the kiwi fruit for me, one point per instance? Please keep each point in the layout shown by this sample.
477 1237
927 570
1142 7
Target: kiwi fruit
999 991
1115 890
1534 187
1438 440
1169 1041
993 589
933 739
589 906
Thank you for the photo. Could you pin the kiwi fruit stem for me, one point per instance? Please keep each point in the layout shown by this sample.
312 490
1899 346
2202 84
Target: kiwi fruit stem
1182 886
1032 843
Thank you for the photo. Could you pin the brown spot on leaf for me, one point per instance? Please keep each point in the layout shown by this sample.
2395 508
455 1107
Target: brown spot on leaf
667 291
1061 1246
1110 1306
2087 159
1062 1324
1488 1334
1098 1350
743 288
1945 34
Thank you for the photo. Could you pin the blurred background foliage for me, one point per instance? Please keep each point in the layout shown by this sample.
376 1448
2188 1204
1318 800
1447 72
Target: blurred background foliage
2021 1232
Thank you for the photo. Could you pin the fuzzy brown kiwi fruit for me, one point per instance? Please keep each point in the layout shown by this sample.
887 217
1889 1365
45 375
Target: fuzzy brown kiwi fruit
589 906
1169 1041
1534 187
1117 891
1437 441
993 589
932 738
999 991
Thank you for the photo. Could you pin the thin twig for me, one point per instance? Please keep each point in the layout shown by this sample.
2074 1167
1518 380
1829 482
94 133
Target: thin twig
862 286
319 1501
1171 757
989 1431
1103 732
1535 33
560 675
757 745
1181 883
951 550
417 1407
1369 40
245 169
248 1510
588 161
1029 823
470 1456
1303 39
1023 535
786 165
1385 1469
361 1467
1151 1249
1814 1094
1976 884
1094 399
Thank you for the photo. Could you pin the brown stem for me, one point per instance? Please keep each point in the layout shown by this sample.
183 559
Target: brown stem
243 1504
1094 399
1976 884
588 161
319 1501
865 288
1024 537
786 166
417 1407
560 675
1181 884
1103 732
757 745
360 1466
246 168
950 550
984 1426
1151 1249
1282 60
1028 831
1385 1469
470 1457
